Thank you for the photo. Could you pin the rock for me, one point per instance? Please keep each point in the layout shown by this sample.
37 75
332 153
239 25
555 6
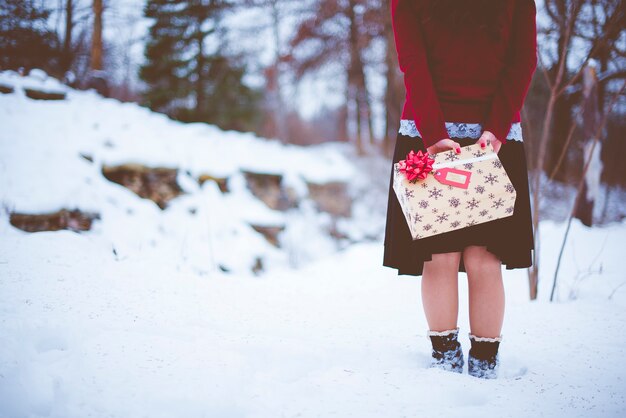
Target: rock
157 184
74 220
4 89
221 182
331 197
334 232
270 233
257 268
44 95
268 188
98 81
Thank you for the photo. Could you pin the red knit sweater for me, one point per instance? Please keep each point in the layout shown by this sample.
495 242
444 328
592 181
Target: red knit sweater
465 76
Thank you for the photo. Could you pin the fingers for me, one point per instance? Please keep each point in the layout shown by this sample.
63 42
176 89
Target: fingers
443 145
496 146
483 141
450 144
486 138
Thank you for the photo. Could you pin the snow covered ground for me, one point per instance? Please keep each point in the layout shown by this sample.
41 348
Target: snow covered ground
84 334
153 330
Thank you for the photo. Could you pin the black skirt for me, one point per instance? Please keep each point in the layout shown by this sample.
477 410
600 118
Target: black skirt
510 238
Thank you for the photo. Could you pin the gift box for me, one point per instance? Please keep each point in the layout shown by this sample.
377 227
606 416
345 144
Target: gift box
447 191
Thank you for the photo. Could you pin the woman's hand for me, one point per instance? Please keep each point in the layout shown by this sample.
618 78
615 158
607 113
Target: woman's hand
443 145
488 137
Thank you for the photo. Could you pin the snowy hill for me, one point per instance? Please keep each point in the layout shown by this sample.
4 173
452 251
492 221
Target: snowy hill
136 317
53 154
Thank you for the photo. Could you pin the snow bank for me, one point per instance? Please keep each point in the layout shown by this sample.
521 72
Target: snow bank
43 168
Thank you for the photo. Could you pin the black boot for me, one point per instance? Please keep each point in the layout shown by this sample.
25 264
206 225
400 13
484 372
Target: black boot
484 361
447 353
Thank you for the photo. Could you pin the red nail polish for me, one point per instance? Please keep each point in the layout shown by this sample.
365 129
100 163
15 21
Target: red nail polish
482 145
458 150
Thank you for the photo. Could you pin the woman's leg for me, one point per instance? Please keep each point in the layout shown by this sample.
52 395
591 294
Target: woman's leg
440 291
486 291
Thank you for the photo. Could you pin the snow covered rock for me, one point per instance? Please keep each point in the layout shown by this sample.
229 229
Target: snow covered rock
74 220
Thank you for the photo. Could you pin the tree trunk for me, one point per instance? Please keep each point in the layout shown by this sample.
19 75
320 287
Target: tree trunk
591 117
562 107
353 83
96 36
394 89
200 63
67 42
278 106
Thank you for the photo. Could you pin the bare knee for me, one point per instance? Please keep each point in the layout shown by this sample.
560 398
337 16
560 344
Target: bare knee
477 258
444 261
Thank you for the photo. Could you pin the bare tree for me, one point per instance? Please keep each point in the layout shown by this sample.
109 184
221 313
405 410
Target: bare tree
394 90
333 32
570 21
96 35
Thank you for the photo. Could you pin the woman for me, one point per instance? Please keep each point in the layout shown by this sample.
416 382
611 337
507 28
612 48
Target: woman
467 68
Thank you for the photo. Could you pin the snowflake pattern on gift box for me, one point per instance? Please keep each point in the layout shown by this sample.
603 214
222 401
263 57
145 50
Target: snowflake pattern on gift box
491 179
498 203
442 218
455 224
472 204
479 153
470 223
435 210
468 166
450 187
497 163
480 189
424 185
454 202
509 188
509 209
483 212
451 156
408 192
435 193
479 171
427 227
491 195
423 204
458 212
417 218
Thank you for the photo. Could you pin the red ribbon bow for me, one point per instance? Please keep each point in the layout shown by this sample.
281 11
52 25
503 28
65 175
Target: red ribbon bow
416 165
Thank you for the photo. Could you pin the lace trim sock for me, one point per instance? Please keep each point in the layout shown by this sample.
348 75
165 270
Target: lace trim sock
489 339
430 333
